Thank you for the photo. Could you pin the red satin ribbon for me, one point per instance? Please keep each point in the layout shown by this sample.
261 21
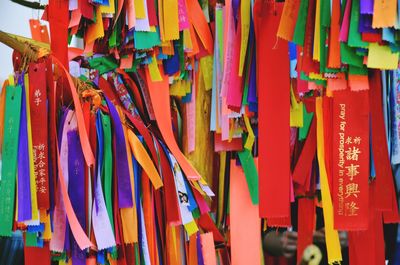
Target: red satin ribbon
350 171
306 224
171 201
32 255
328 143
384 177
58 15
86 8
368 247
307 63
304 164
206 223
273 83
38 111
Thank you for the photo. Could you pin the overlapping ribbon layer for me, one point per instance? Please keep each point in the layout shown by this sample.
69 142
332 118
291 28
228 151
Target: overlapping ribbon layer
114 156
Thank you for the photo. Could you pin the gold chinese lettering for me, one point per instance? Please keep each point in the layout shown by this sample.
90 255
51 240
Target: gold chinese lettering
352 153
352 171
352 190
351 209
357 140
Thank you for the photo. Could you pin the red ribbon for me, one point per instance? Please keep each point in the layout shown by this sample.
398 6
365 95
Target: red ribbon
171 201
350 169
32 255
368 247
274 133
307 63
384 176
306 225
303 166
58 16
38 111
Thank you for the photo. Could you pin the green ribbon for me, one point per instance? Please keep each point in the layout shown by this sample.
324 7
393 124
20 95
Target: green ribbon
31 239
325 12
103 64
304 77
220 33
349 56
107 166
146 40
354 70
181 53
196 213
355 39
10 151
247 76
300 29
250 171
323 50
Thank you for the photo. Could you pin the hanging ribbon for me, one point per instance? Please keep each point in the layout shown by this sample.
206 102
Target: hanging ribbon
38 113
124 186
76 188
102 228
274 156
60 222
331 235
24 205
10 151
350 159
159 94
384 176
58 20
87 151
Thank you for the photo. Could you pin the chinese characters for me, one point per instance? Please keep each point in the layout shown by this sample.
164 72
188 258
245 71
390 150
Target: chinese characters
39 165
349 153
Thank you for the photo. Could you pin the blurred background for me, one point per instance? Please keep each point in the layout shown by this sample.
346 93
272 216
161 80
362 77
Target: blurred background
14 19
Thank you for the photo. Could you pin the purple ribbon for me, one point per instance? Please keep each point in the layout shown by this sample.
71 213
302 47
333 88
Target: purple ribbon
200 259
121 160
24 190
252 95
76 186
235 10
367 6
63 117
365 24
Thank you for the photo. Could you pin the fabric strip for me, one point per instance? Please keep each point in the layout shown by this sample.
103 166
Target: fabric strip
274 133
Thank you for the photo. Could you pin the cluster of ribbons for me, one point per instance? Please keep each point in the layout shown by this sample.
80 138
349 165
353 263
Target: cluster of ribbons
133 203
113 156
342 114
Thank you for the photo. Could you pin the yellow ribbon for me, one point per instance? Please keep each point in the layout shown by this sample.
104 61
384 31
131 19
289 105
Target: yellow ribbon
144 160
331 235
